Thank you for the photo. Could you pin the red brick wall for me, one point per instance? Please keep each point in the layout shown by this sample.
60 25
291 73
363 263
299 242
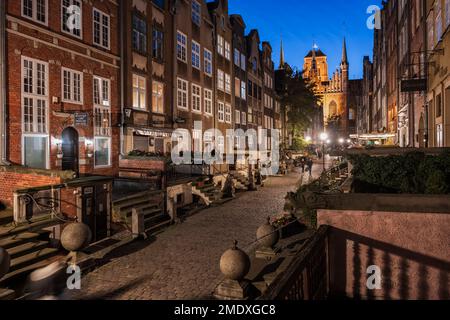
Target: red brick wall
28 39
11 181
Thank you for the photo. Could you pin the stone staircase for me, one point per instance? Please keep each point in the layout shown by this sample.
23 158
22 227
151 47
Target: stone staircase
150 204
240 179
29 247
208 192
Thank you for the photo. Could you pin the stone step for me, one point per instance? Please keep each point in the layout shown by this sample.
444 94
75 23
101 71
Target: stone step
32 258
22 238
145 208
158 227
21 273
155 220
27 248
37 224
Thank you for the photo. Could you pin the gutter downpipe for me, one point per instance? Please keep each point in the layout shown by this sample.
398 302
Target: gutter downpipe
3 89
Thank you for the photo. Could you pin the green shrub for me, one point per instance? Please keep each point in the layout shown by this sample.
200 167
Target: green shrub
412 173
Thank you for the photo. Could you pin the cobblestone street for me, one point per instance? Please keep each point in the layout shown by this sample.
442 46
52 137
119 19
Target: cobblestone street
183 261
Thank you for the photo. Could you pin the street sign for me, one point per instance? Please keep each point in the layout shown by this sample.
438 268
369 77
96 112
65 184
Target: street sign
414 85
81 119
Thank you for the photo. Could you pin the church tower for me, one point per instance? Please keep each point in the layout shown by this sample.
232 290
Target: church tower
345 68
282 59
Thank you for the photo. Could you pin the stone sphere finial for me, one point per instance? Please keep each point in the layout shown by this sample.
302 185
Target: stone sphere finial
235 263
5 262
267 236
76 236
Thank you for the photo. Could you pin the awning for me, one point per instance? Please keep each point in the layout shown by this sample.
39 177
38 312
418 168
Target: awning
157 133
374 136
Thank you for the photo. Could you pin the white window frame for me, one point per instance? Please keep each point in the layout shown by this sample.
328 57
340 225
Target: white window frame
101 26
196 98
244 118
72 73
158 96
195 55
221 111
220 80
228 114
183 93
34 96
81 19
220 45
141 105
243 62
237 117
208 97
227 51
103 106
243 90
227 83
237 57
109 152
181 47
34 12
207 56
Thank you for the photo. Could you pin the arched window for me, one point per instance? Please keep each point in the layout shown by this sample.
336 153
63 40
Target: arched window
333 108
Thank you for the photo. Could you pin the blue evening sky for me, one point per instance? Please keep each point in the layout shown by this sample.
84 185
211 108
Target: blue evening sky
304 22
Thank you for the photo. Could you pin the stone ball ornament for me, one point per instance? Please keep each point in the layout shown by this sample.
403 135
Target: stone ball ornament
76 236
5 262
235 263
267 236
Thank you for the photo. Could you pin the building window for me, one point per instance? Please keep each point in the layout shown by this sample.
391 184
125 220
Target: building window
102 156
139 92
243 62
244 118
220 45
250 115
208 102
72 17
182 94
139 34
158 97
220 80
438 19
208 62
35 113
196 12
196 55
237 115
36 10
227 83
243 90
227 50
158 44
101 29
181 46
439 136
196 98
221 111
237 56
72 86
237 87
430 32
102 114
438 106
228 113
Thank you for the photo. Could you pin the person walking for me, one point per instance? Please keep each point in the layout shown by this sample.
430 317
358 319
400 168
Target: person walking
309 164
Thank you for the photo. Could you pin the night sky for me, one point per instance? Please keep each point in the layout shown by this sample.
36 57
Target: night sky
304 22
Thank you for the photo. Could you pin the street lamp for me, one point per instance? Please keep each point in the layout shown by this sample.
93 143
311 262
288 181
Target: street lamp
308 139
323 138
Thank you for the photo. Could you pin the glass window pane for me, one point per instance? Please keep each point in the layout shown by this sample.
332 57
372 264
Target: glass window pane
35 152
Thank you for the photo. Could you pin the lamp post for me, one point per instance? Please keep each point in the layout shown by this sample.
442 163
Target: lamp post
323 138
